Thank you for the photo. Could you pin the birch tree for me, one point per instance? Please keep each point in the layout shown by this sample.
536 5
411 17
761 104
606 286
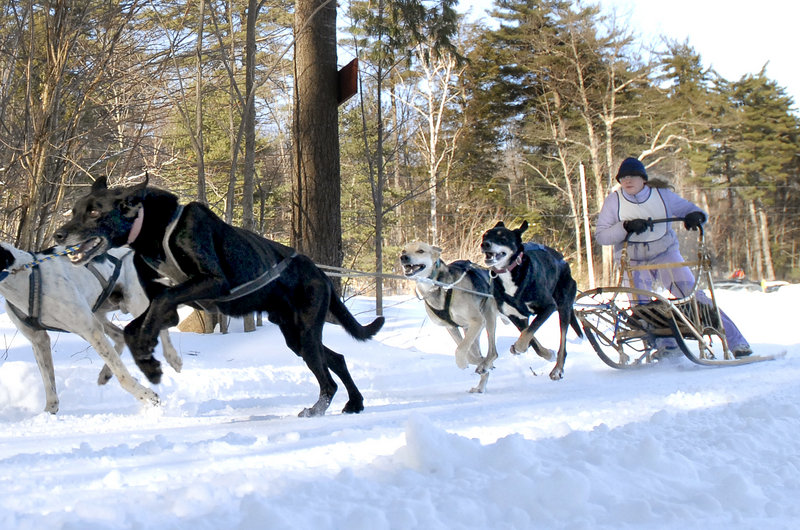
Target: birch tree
434 95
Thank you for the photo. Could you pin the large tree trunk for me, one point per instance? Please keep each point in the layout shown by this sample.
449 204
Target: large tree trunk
316 213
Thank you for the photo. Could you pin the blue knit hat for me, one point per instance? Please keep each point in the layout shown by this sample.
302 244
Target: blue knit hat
631 166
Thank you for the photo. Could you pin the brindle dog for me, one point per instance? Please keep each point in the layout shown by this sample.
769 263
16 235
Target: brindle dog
219 266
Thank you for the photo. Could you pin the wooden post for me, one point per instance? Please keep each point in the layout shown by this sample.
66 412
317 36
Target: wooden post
586 228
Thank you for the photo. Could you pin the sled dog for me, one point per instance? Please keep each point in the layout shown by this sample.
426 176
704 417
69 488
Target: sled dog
45 292
212 264
457 296
530 280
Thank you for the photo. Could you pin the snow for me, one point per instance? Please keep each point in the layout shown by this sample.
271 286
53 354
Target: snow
671 446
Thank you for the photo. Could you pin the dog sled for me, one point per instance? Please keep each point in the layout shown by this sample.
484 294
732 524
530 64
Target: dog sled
624 324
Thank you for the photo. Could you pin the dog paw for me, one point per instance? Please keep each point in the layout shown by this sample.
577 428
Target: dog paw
476 390
353 407
547 355
51 407
176 363
104 376
318 409
150 367
557 373
517 351
150 398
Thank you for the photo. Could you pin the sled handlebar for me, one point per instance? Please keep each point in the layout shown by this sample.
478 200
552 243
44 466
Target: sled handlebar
651 222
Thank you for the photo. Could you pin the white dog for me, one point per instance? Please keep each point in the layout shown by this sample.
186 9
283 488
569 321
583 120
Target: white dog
44 291
456 295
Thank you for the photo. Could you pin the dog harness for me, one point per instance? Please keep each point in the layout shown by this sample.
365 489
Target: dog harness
168 268
444 313
171 270
33 317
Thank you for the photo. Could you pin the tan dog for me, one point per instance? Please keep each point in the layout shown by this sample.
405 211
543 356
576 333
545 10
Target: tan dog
457 296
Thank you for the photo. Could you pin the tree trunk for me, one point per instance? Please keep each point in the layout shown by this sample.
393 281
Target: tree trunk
198 112
316 208
249 118
235 137
769 269
377 200
756 241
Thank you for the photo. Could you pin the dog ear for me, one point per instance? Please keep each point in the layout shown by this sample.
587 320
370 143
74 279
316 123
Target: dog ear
139 190
522 227
100 184
499 224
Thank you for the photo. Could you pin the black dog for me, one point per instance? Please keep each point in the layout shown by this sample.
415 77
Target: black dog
217 266
530 279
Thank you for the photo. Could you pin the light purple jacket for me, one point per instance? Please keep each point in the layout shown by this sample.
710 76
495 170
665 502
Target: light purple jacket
610 231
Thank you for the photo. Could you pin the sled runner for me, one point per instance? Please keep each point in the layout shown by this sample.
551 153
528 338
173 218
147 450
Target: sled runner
624 324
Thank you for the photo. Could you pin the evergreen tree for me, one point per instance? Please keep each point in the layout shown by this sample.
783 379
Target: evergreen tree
766 146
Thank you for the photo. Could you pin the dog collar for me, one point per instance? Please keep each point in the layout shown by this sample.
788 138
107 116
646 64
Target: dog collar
137 226
510 267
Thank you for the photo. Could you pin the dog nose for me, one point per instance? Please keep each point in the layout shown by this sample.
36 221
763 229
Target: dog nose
403 258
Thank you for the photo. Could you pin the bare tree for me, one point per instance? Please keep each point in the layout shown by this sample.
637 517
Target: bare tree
433 97
60 63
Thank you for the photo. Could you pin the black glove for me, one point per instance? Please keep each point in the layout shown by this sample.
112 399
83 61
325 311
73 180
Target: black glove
636 226
693 220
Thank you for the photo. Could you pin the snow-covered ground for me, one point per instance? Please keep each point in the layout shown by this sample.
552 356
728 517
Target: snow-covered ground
672 446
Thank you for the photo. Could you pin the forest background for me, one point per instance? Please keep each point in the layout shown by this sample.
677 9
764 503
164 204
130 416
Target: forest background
455 125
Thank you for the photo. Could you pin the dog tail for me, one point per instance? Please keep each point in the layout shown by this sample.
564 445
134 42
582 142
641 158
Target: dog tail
350 324
573 321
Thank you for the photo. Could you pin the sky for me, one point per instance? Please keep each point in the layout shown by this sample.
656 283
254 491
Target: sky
669 446
735 37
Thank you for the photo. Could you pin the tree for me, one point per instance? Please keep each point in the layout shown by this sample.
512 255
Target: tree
431 100
56 85
561 80
317 229
766 144
385 31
